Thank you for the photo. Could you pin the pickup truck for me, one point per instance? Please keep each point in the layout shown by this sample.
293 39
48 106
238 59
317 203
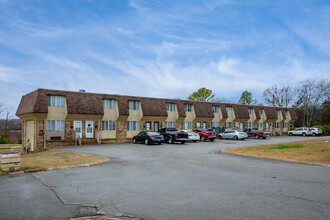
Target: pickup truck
172 135
256 133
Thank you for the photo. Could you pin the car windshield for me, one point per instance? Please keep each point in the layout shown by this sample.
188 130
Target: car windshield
171 129
153 133
209 129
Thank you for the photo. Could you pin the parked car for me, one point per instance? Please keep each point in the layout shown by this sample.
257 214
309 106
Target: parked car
256 133
206 134
192 136
236 135
300 131
148 137
316 131
172 135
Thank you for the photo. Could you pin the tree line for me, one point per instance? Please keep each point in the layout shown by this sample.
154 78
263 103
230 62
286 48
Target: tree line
310 99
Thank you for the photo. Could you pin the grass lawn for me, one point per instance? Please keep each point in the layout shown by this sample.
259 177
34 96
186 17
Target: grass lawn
312 151
54 158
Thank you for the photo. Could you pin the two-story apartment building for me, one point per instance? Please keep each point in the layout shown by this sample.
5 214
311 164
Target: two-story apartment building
51 117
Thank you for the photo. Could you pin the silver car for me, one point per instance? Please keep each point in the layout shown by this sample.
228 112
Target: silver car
300 131
316 131
192 136
236 135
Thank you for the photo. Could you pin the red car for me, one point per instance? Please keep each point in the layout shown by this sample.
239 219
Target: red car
206 134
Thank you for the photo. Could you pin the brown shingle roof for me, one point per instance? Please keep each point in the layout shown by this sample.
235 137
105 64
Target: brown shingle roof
91 103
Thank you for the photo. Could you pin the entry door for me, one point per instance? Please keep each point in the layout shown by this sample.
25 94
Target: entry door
148 125
30 133
241 126
89 129
204 125
156 126
78 128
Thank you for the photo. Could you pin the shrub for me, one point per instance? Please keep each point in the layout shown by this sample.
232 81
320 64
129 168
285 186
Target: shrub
327 129
320 127
19 141
4 138
292 128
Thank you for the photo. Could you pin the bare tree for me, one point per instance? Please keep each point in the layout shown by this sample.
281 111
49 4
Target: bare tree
281 97
2 107
311 95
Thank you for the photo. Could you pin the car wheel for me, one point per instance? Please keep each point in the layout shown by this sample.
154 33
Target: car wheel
170 141
203 138
235 138
182 142
146 142
242 139
257 136
212 140
290 134
264 137
159 143
220 137
134 141
194 141
314 134
304 134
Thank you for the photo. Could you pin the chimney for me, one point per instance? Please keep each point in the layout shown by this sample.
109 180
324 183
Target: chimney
82 90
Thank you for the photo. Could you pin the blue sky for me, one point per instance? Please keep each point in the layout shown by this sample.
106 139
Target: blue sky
161 48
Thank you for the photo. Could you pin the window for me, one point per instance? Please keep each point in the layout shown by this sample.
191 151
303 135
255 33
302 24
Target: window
108 125
286 112
132 125
204 125
187 125
227 124
285 124
261 111
277 125
214 124
169 124
55 125
278 112
236 125
170 107
249 125
250 111
133 105
57 101
228 110
187 107
260 124
215 109
198 125
109 104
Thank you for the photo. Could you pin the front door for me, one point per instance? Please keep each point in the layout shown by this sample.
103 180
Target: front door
148 125
30 133
156 126
77 126
204 125
89 129
241 126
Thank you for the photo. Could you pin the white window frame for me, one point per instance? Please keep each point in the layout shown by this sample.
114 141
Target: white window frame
215 109
187 107
261 111
55 125
228 125
214 124
198 125
133 105
109 103
132 126
187 125
278 112
169 124
108 125
229 110
55 101
249 124
250 110
260 125
277 125
170 107
285 124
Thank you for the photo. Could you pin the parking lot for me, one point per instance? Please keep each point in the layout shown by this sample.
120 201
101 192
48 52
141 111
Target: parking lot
172 181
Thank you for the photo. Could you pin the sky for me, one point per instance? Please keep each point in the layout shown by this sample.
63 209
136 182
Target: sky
165 49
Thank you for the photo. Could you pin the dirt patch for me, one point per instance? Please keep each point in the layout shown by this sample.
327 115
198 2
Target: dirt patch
311 151
54 158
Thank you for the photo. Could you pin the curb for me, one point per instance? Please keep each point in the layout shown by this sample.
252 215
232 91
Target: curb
265 158
77 166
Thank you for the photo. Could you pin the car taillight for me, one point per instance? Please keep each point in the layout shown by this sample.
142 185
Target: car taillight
163 136
241 133
151 136
189 134
176 135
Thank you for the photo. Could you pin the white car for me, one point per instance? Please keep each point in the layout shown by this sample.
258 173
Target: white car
192 136
233 135
300 131
316 131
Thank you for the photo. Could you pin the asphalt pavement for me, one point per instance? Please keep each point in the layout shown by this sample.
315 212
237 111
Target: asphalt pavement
190 181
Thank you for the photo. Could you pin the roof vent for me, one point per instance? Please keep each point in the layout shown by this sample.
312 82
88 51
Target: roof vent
82 90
